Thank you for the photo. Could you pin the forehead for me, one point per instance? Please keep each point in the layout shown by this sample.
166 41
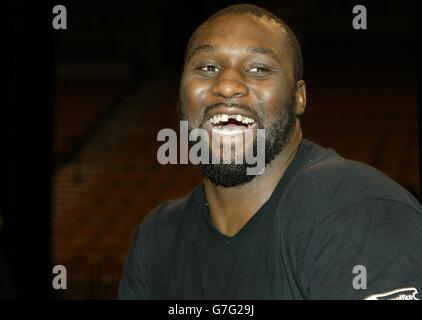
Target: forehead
242 31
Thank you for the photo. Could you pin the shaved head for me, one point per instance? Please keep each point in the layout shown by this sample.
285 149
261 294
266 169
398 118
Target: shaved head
242 9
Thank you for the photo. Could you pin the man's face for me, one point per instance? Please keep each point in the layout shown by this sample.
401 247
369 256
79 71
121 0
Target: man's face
239 65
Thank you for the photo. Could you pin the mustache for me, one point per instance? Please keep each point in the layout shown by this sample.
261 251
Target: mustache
230 105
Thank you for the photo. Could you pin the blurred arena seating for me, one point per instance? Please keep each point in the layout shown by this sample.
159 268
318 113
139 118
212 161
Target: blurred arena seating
85 93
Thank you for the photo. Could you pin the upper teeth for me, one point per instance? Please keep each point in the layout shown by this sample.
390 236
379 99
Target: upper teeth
225 117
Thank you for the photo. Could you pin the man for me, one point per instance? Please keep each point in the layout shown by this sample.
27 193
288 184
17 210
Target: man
311 226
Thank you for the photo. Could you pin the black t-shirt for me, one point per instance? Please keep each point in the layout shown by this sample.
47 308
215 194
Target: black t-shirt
332 229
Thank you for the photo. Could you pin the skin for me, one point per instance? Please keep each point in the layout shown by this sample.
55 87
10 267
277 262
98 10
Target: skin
231 72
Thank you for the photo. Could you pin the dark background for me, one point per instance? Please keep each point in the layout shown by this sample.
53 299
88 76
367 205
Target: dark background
83 107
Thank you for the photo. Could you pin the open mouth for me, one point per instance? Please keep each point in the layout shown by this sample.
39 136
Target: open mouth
229 124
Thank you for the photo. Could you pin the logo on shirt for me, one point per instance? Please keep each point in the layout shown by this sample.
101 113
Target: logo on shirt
398 294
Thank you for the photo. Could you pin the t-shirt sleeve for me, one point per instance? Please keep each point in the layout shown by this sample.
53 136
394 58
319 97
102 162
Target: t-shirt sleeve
134 285
371 248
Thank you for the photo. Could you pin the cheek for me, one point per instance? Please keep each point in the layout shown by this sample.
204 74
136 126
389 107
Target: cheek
272 96
193 95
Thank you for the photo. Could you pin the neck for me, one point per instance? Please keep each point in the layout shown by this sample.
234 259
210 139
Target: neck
231 208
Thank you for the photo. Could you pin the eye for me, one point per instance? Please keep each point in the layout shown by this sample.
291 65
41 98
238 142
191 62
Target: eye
259 70
209 68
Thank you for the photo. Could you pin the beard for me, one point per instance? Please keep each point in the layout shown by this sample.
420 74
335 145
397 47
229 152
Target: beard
277 136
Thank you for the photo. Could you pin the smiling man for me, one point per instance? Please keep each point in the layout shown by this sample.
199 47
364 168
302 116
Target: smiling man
300 229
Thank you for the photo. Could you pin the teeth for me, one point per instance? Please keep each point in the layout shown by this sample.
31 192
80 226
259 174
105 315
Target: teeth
216 119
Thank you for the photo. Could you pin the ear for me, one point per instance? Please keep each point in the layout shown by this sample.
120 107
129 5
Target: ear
300 97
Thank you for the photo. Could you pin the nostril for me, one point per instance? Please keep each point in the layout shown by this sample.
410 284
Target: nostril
230 91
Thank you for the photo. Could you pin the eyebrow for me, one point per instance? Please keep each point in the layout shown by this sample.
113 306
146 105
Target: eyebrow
265 51
202 48
259 50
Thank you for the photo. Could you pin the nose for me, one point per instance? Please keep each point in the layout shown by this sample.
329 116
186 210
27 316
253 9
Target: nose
229 86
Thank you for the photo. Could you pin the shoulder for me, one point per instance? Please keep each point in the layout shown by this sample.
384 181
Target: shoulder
165 216
327 186
150 240
158 230
335 182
